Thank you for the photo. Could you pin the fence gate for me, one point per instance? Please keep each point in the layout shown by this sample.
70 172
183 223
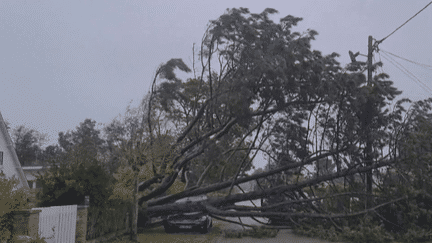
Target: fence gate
58 223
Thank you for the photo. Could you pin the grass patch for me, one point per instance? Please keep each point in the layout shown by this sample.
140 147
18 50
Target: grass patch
259 232
158 235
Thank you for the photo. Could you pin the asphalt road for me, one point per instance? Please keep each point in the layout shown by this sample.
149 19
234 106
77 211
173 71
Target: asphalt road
283 235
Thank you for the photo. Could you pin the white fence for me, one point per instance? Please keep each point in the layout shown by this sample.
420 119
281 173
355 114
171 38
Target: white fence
58 223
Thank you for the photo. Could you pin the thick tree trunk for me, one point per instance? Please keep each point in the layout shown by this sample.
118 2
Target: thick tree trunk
163 206
207 206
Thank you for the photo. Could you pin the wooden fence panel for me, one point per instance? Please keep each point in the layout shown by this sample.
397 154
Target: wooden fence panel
58 223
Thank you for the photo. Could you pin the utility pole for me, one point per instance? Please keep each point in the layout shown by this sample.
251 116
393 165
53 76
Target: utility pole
369 114
369 61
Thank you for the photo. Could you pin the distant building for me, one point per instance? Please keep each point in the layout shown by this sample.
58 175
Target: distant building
9 163
246 187
30 173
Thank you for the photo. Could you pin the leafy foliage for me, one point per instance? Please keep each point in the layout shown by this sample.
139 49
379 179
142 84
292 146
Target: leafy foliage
364 231
104 220
66 185
86 135
410 177
76 170
13 199
28 144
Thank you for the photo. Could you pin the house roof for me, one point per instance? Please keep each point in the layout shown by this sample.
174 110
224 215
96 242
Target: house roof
16 164
31 171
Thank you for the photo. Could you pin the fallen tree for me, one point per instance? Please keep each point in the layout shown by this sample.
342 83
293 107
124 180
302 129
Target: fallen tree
228 201
270 94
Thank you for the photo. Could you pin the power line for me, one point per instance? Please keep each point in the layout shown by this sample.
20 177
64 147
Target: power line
408 73
382 69
417 63
378 42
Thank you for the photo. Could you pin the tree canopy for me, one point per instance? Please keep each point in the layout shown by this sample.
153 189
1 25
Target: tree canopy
28 145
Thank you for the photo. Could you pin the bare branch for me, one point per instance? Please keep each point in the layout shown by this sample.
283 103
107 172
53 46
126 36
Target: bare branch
192 124
259 125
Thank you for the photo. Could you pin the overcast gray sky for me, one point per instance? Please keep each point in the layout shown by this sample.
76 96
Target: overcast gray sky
64 61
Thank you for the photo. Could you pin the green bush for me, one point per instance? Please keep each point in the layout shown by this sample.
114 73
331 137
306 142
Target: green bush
367 233
233 233
12 199
104 220
63 184
366 229
262 232
319 232
416 235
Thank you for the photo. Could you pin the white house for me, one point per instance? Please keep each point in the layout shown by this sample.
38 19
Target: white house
9 163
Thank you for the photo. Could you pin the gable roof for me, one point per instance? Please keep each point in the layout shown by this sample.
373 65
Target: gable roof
16 165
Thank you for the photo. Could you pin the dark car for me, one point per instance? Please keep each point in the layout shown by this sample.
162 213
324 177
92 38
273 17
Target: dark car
198 221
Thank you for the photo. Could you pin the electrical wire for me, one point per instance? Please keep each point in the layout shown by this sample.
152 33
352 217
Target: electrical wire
408 73
378 42
417 63
382 68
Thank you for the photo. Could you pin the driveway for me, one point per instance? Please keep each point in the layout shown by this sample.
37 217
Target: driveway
285 235
158 235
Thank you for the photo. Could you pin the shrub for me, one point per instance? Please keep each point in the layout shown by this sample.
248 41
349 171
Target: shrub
366 229
12 199
103 220
67 185
233 233
262 232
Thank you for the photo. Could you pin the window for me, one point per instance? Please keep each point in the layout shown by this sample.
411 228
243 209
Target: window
1 157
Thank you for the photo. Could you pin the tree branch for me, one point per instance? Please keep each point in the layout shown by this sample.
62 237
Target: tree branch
222 185
192 124
145 184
